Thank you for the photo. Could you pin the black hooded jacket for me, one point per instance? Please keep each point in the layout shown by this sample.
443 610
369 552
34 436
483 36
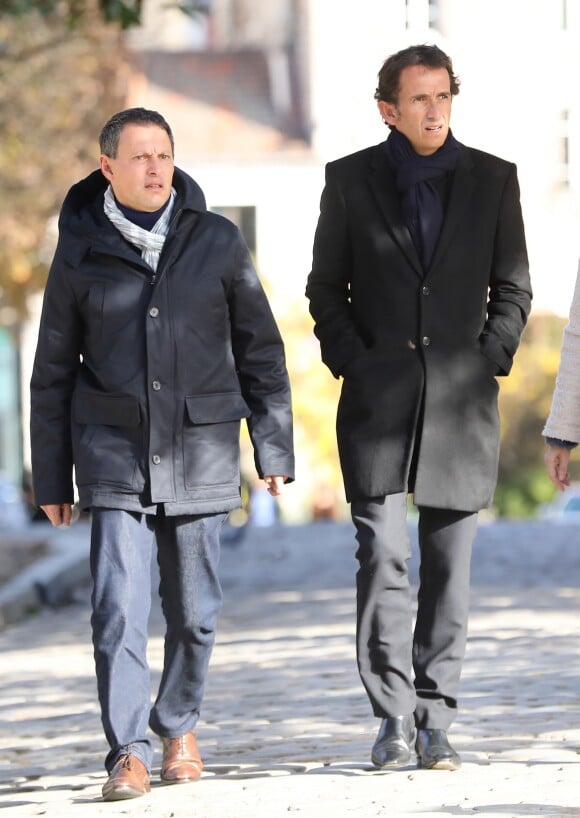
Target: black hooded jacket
140 381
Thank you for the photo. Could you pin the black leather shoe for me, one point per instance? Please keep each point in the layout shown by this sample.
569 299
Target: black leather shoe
434 751
394 742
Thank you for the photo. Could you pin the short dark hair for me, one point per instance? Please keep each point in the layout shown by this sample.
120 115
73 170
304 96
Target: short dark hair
109 136
390 74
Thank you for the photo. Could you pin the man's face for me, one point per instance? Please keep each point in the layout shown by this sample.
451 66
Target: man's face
423 110
142 172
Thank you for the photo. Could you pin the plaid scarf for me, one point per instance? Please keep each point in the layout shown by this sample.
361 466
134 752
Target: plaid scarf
150 242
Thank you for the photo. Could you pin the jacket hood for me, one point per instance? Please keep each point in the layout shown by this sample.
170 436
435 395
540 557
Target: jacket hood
82 209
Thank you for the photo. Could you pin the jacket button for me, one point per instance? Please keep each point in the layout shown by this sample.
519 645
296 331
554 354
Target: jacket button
426 340
156 459
411 344
156 386
154 312
425 290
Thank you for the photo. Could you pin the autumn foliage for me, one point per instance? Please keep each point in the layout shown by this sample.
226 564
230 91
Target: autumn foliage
57 87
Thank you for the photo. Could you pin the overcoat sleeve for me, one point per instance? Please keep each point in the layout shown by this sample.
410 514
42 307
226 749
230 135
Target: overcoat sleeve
564 419
329 281
510 293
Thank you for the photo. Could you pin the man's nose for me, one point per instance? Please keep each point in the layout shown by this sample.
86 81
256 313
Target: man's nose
153 165
432 110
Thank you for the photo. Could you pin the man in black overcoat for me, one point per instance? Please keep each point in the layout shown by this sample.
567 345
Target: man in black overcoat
419 292
156 340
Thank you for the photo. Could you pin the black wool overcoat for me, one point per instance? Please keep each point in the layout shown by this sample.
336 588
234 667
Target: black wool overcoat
140 381
419 350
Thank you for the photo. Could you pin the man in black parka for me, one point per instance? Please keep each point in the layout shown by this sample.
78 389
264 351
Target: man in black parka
419 291
155 340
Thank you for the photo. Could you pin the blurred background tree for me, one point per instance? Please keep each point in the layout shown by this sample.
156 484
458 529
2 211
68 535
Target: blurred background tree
525 400
57 86
63 72
315 394
125 13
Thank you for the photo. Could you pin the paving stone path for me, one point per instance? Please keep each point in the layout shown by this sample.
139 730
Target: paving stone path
286 728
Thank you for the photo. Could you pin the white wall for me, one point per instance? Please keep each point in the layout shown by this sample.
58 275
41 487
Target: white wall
286 198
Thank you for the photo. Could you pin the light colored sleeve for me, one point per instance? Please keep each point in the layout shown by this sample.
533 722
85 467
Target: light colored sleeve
564 419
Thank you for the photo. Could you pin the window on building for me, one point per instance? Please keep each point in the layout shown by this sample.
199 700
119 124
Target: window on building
570 15
421 14
244 217
564 150
434 14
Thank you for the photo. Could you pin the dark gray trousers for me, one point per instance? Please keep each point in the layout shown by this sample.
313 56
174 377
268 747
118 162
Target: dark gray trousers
389 651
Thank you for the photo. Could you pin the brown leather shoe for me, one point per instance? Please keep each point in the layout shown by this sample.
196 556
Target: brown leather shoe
181 760
128 779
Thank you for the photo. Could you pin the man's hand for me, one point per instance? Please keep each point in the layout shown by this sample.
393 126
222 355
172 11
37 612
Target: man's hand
275 484
58 514
556 459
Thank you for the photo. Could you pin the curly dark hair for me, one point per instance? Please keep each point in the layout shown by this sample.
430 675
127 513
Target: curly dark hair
390 74
109 136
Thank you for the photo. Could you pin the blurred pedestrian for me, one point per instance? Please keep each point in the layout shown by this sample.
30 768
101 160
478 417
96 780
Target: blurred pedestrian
155 340
419 291
562 429
323 503
263 510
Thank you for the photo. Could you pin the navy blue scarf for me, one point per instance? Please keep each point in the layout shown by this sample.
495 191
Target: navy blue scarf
141 218
417 178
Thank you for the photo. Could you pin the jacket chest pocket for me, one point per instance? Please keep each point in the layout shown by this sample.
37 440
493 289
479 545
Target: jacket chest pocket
211 439
113 312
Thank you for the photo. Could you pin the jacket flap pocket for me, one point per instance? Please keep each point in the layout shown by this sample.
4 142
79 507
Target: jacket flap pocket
217 408
109 410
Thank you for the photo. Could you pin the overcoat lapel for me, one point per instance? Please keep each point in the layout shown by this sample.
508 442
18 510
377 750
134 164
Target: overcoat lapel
462 188
382 182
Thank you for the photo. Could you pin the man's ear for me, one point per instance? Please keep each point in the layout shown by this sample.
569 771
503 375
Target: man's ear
388 111
106 168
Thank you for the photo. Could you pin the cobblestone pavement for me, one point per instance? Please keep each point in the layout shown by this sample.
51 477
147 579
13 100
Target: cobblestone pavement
286 727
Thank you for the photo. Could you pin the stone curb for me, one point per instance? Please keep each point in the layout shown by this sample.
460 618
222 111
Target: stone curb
51 580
